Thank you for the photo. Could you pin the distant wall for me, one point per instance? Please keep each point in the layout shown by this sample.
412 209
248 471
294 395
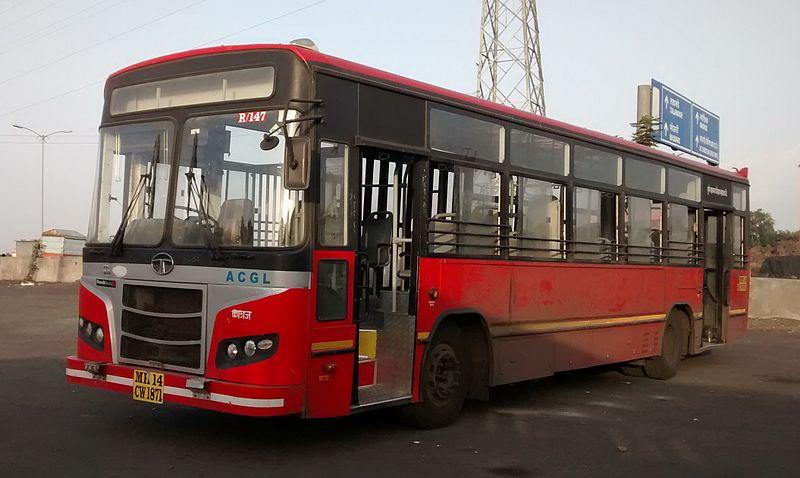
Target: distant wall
51 268
775 298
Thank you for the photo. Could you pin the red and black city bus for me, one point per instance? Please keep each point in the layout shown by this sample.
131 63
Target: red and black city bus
276 231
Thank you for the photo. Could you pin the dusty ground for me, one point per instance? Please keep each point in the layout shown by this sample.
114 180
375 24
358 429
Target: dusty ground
735 412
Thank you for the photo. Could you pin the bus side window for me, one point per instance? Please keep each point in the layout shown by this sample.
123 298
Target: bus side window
643 229
333 194
595 224
537 228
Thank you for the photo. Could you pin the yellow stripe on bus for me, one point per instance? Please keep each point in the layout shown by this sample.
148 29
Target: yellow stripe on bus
737 312
567 325
332 345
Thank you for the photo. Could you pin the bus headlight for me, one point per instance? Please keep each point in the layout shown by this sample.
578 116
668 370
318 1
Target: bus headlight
241 351
99 335
249 348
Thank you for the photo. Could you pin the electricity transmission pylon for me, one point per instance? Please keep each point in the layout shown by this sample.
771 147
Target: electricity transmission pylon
510 59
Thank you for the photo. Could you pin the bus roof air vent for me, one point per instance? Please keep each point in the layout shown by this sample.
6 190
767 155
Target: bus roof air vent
305 43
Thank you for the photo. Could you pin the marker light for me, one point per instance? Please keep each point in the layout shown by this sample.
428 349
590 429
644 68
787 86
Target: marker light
264 344
99 335
249 348
233 351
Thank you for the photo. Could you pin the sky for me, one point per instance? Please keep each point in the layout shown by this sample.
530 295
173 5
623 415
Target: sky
737 58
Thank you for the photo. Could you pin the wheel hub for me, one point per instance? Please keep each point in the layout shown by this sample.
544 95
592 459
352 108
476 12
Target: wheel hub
445 372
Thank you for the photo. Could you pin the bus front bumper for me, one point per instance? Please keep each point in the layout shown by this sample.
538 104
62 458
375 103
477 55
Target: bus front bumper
185 389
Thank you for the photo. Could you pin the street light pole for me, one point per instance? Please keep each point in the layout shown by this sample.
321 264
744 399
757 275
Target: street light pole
43 139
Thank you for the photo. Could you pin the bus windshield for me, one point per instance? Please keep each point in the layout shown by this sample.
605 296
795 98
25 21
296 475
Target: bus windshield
229 190
133 181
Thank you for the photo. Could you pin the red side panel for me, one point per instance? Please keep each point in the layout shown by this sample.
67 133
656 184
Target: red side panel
739 290
547 317
283 314
93 309
738 304
331 351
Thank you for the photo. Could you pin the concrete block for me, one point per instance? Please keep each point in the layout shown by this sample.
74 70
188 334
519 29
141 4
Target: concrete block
774 298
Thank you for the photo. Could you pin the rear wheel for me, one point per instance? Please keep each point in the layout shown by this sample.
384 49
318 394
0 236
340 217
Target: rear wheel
673 343
444 382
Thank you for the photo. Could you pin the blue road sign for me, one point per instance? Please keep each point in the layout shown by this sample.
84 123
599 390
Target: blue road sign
675 117
685 125
705 128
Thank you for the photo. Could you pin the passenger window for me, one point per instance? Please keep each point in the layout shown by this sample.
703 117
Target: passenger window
537 227
333 194
540 153
466 136
683 230
595 223
644 225
331 290
596 165
739 255
740 198
465 215
684 185
644 176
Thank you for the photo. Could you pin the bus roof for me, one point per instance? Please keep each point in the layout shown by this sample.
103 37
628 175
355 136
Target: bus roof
313 57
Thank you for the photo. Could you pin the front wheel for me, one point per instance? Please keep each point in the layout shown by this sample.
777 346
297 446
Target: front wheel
444 382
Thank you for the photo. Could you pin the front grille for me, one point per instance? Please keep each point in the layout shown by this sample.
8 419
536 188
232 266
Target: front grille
163 325
163 300
162 328
187 356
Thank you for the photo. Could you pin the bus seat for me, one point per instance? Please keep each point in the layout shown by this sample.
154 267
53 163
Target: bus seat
236 222
188 232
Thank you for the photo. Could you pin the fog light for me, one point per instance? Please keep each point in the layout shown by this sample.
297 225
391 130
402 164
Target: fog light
233 351
264 344
99 335
249 348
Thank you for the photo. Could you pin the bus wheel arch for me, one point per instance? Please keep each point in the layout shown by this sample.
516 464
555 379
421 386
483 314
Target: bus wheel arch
682 312
475 334
673 347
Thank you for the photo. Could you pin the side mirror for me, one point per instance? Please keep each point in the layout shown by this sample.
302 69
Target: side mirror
297 163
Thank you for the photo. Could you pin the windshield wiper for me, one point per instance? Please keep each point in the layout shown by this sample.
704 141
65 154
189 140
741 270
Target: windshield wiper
206 221
116 243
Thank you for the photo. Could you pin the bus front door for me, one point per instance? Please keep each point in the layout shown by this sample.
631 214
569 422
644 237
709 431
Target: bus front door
387 322
714 276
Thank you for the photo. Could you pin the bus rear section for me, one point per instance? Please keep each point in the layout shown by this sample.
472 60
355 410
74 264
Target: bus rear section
276 231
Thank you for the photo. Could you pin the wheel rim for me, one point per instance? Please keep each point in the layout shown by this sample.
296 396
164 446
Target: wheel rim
444 373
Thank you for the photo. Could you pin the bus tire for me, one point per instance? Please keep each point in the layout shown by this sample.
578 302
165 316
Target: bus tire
444 381
665 366
631 370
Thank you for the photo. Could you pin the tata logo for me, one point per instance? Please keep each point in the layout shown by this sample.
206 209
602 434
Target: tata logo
247 278
162 263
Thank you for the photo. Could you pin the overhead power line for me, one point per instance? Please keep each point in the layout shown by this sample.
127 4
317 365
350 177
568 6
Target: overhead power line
13 6
251 27
49 30
96 44
89 85
29 15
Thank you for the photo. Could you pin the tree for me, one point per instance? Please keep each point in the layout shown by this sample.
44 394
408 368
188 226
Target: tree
645 128
762 228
